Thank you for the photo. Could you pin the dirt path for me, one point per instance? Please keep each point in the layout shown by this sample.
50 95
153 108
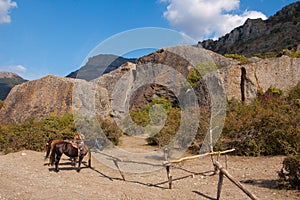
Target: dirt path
24 176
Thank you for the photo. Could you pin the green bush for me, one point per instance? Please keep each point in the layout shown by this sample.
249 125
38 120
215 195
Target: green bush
267 126
275 91
111 130
1 104
33 135
241 58
289 176
141 117
267 55
168 131
291 53
195 75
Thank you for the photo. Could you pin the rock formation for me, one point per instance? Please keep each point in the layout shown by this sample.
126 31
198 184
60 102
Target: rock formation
242 82
36 99
257 36
139 83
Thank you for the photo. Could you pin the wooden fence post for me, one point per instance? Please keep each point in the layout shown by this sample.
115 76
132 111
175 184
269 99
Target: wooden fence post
236 182
221 177
169 176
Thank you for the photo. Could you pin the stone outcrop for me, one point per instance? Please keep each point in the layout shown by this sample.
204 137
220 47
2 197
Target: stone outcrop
160 74
242 82
36 99
257 36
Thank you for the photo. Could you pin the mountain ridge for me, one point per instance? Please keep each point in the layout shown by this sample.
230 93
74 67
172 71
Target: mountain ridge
98 65
7 81
257 36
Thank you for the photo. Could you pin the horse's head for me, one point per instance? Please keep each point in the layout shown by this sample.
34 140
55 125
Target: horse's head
77 137
48 148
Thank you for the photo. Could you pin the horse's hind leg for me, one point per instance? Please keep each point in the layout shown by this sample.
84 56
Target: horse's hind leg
90 159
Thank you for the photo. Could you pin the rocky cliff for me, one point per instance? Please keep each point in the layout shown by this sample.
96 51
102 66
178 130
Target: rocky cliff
7 81
257 36
139 83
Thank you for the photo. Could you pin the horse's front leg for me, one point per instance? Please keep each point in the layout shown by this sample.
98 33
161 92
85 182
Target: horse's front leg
73 161
79 163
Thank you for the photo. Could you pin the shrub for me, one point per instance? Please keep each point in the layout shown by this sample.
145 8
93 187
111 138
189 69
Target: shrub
275 91
267 126
289 176
141 117
168 131
1 104
111 130
195 75
33 135
241 58
267 55
291 53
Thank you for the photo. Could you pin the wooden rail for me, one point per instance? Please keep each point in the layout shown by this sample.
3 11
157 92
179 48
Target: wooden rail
168 164
198 156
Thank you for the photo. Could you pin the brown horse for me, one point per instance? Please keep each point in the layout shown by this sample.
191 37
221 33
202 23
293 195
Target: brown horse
69 150
50 144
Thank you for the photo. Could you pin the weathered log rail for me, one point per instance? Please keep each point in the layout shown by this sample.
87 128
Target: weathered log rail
169 163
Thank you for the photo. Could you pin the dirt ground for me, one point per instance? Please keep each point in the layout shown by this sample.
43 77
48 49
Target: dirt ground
23 175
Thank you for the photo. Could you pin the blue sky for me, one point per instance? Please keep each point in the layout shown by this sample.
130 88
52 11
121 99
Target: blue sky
40 37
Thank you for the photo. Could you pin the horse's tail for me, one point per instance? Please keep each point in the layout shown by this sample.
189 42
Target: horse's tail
48 148
53 153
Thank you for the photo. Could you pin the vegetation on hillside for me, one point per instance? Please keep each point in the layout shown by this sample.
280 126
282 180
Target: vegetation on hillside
267 126
288 52
241 58
33 135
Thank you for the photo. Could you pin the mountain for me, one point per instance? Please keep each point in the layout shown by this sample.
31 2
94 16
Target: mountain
7 81
98 65
257 36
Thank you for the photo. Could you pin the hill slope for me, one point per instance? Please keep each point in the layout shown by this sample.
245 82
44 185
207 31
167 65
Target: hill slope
257 36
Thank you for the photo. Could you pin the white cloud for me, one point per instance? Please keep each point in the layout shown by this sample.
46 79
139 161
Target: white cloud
204 19
5 6
14 68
